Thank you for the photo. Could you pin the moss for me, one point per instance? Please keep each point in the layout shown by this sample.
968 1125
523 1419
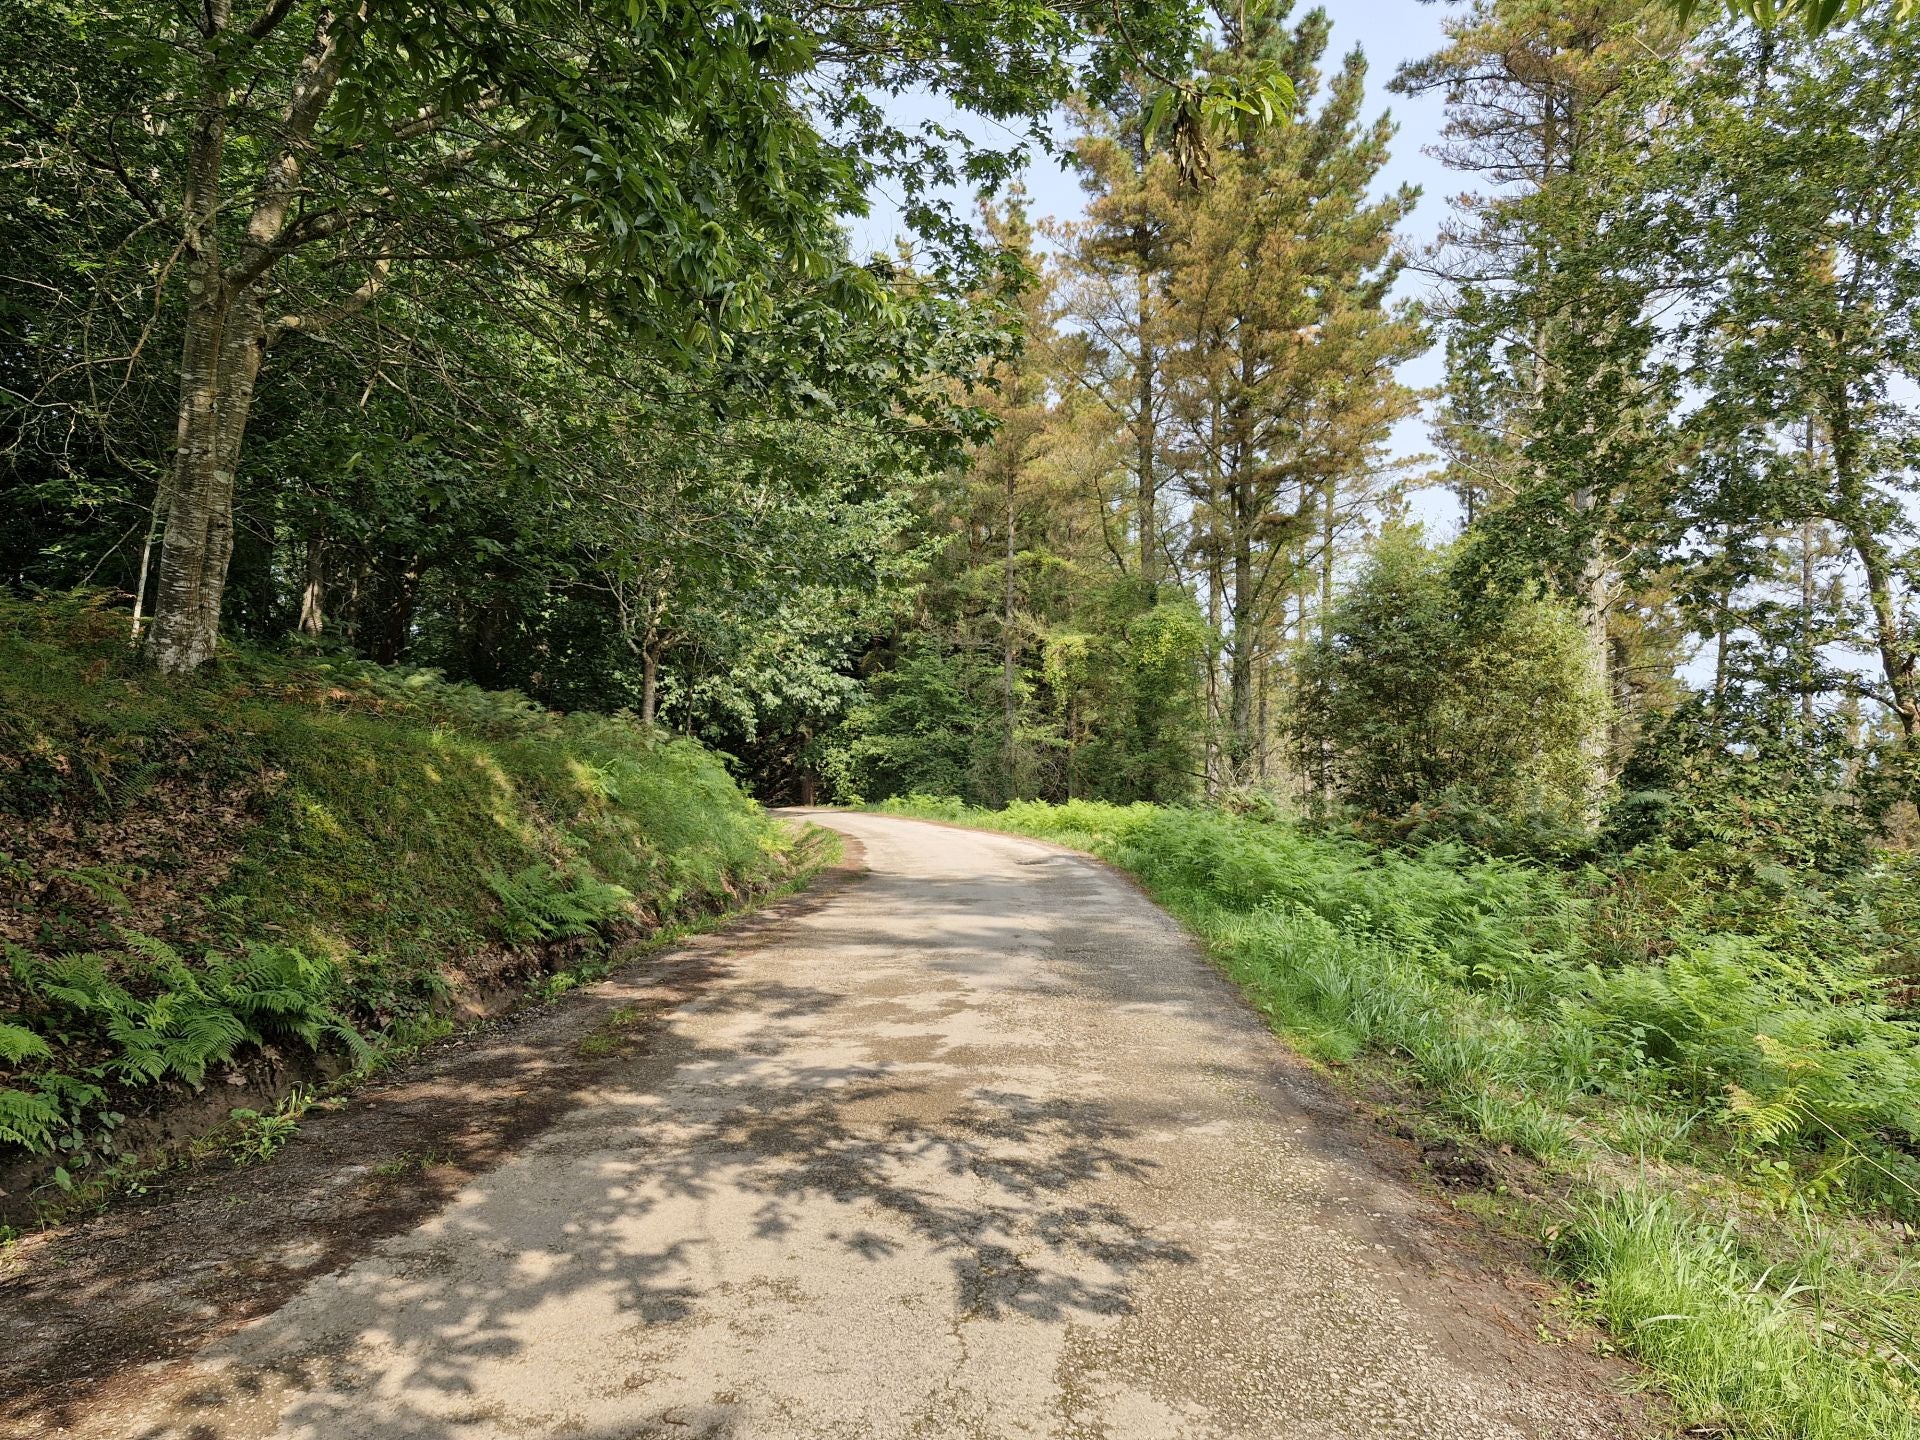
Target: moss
385 824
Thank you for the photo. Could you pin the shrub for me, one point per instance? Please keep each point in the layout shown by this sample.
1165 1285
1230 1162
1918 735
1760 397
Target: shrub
1423 695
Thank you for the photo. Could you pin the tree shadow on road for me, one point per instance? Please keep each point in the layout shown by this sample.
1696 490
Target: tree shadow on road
1016 1198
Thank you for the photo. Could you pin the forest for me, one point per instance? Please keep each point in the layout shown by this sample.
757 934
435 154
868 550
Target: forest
1558 781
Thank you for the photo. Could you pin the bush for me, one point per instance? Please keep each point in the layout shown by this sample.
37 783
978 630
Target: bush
918 732
1423 695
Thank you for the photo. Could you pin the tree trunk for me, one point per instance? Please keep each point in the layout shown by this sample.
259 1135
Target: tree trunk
1240 680
156 518
1147 440
1263 727
1722 634
1216 587
1328 524
313 617
224 342
225 331
396 619
1073 738
197 497
1869 547
649 681
1008 650
1808 595
1596 602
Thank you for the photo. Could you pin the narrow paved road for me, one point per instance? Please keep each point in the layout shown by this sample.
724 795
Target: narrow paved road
979 1147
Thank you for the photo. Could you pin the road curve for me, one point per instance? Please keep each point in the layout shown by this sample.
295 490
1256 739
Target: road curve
978 1147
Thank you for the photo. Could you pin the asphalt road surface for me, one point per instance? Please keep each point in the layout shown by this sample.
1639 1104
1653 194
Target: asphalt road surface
979 1146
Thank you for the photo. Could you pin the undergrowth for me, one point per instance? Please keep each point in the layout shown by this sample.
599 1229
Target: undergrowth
1730 1129
305 856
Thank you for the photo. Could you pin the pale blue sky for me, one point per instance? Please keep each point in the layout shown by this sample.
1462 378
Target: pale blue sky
1389 32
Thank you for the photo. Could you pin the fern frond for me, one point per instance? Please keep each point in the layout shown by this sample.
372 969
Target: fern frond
18 1043
1767 1122
28 1120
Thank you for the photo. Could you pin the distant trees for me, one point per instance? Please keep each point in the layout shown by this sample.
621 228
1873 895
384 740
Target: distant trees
1680 356
1195 429
529 347
1281 353
1034 661
1796 272
1679 340
240 181
1552 420
280 162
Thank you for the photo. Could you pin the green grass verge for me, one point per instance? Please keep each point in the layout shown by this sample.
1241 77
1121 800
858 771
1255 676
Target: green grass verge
1722 1144
310 854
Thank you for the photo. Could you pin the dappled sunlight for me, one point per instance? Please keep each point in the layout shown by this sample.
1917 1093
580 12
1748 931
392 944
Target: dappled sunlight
933 1144
622 1222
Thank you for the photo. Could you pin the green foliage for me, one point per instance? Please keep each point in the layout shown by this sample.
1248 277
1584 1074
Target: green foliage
1422 692
540 903
156 1017
260 1135
1131 702
691 467
1816 16
1786 803
146 1016
919 730
1790 1055
29 1118
18 1043
1111 710
368 829
1733 1347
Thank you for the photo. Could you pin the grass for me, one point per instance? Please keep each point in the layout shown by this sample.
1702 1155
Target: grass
259 1135
1738 1355
410 1163
1722 1141
309 854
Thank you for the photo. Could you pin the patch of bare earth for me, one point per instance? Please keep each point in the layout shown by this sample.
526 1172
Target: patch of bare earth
143 867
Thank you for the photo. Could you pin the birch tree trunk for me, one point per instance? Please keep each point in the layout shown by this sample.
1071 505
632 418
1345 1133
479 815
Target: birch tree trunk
226 331
197 502
650 682
224 342
313 593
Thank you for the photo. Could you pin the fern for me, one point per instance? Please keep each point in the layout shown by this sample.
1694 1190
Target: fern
1767 1122
28 1119
176 1020
541 903
18 1043
46 1118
